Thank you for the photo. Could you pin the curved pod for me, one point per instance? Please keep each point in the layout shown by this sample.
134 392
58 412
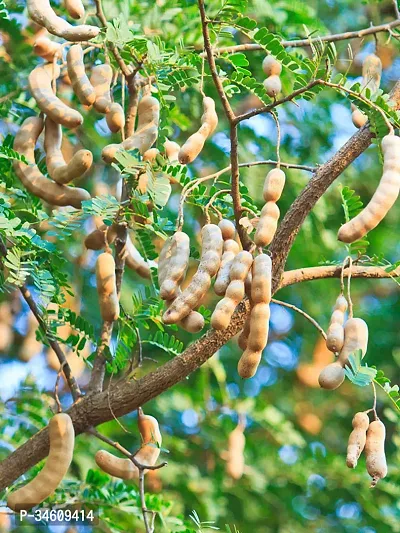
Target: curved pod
62 439
33 179
106 287
77 74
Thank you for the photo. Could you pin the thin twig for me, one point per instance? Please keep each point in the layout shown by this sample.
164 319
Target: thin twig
278 140
301 312
357 34
374 404
349 288
72 383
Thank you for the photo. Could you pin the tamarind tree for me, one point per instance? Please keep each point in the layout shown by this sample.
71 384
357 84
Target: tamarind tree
198 222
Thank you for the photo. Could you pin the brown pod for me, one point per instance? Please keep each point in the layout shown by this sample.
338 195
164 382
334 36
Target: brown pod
194 145
75 8
235 457
100 80
46 48
77 74
33 179
135 261
98 238
115 118
62 440
146 133
357 439
41 12
106 287
40 85
60 171
375 451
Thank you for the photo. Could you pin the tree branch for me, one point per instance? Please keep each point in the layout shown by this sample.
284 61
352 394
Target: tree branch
357 34
291 277
26 294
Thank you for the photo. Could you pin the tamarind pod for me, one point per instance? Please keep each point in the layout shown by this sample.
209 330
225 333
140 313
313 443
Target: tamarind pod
271 66
97 239
244 335
115 117
135 261
375 451
273 185
31 177
273 86
60 171
100 80
267 224
171 150
355 338
357 439
39 82
193 322
384 197
75 8
335 333
228 229
44 47
106 287
145 134
256 342
223 276
41 12
236 445
77 74
62 438
176 263
371 72
212 244
235 291
261 279
358 118
194 144
151 154
147 455
332 376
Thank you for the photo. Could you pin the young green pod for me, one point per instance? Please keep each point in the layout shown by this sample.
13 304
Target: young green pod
357 438
62 439
30 175
40 85
106 287
375 451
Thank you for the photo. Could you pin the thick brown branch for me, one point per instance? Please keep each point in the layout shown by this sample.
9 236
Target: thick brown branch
300 275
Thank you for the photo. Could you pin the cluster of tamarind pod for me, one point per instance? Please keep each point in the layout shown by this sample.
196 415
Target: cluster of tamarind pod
371 437
344 337
62 442
272 69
